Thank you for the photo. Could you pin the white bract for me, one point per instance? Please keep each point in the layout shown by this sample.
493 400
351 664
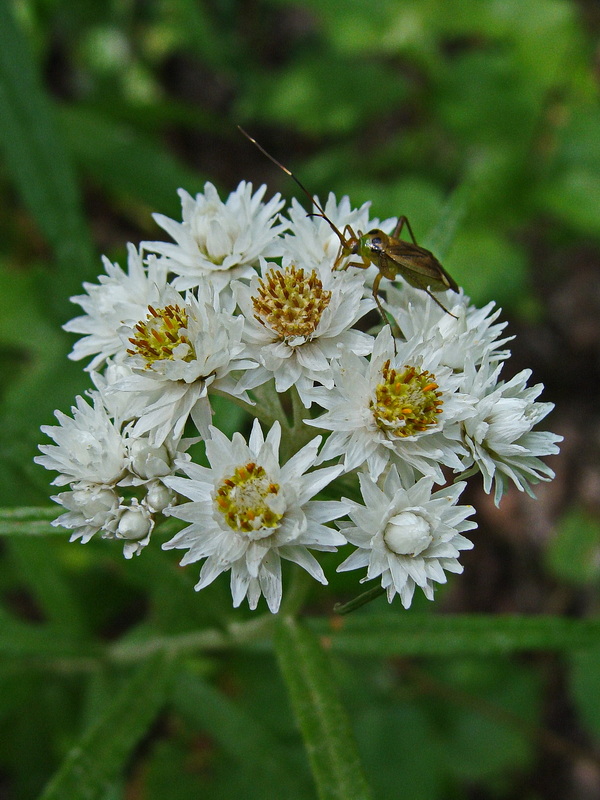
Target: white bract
246 513
407 535
89 448
219 241
466 333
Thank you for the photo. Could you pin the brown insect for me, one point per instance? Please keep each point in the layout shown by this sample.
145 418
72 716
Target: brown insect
390 254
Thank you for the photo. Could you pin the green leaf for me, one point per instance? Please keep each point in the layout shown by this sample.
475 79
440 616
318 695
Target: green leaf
97 759
28 521
124 162
585 687
573 552
41 570
254 748
38 160
20 640
408 634
323 721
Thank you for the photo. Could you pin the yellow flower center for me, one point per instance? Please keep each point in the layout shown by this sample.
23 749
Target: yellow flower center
290 302
406 402
249 500
162 335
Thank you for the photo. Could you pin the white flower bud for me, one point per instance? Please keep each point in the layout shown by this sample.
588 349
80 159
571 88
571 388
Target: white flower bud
135 524
407 534
147 461
158 496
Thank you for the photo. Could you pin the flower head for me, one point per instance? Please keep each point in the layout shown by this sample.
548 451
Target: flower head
407 535
403 405
97 457
219 241
247 513
297 321
120 298
89 447
466 333
500 436
183 346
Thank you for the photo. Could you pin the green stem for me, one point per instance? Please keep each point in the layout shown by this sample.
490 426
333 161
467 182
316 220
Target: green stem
361 600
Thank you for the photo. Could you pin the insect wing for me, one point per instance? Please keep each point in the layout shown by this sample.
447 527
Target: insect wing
419 266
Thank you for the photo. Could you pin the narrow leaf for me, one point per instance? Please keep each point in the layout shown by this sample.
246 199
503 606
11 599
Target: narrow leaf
28 521
258 753
323 721
100 756
445 635
37 158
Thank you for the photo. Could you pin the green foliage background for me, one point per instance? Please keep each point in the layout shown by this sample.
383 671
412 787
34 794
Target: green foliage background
116 679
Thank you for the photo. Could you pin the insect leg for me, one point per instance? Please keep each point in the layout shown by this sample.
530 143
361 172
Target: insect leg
402 221
344 245
435 300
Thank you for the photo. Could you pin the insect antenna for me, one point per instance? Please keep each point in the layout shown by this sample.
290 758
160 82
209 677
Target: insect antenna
320 211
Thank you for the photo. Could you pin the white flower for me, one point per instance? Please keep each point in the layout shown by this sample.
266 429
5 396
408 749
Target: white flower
407 535
466 333
177 352
216 240
247 513
499 436
312 240
89 448
118 299
296 322
403 405
95 456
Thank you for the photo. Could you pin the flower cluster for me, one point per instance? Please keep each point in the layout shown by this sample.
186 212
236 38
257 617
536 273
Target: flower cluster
245 303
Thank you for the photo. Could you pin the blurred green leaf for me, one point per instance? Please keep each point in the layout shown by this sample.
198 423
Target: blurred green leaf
412 634
401 746
573 553
325 728
97 759
255 750
488 266
43 573
490 710
574 197
28 521
584 681
38 161
319 96
37 643
123 161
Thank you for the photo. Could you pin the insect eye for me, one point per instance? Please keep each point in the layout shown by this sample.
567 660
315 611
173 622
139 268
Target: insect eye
376 242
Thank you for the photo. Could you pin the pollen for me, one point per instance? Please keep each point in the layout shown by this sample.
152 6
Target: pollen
162 335
406 402
290 302
249 500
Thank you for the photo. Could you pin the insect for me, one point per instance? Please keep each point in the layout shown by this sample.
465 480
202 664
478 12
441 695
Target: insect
390 254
